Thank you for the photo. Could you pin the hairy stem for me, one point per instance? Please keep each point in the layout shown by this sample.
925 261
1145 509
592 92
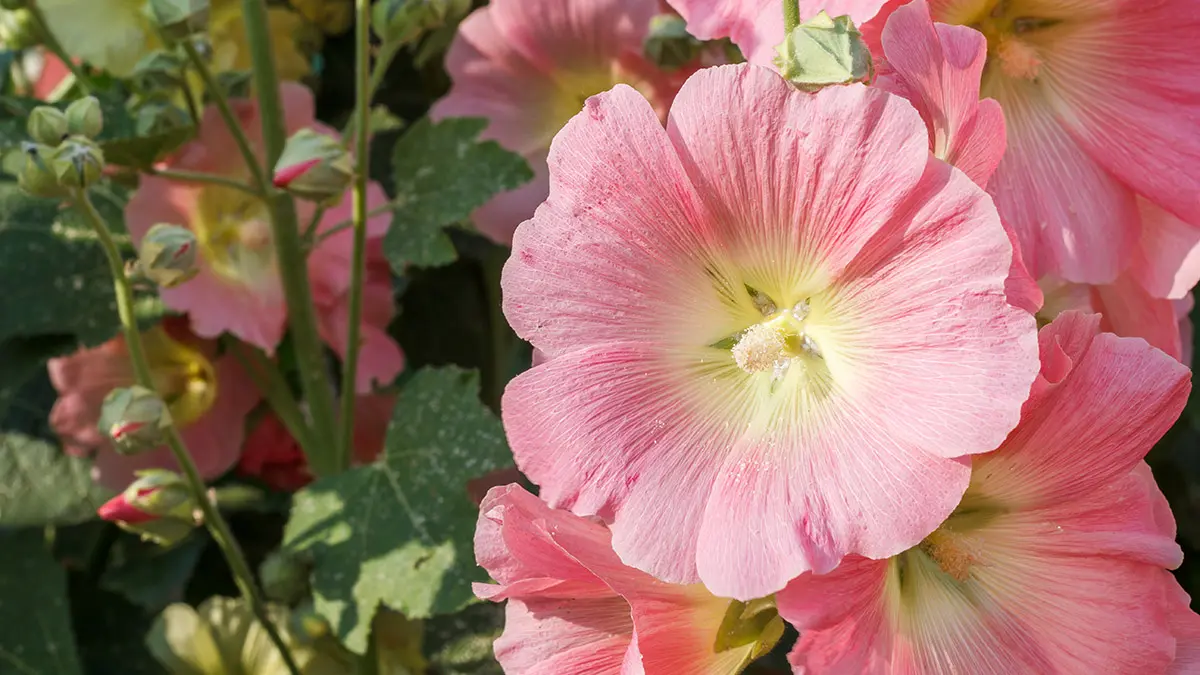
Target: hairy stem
791 15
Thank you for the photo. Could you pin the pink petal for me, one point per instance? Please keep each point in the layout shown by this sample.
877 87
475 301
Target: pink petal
1167 263
841 617
1185 626
1129 311
82 380
550 636
558 35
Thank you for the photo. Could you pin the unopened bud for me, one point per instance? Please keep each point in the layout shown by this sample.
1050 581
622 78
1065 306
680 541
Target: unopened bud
37 177
47 125
167 255
180 19
403 21
135 418
84 117
77 163
158 506
315 167
824 51
285 576
668 44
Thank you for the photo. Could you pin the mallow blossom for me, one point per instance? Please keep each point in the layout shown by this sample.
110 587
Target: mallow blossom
238 287
1101 102
1056 559
208 396
573 607
528 65
772 329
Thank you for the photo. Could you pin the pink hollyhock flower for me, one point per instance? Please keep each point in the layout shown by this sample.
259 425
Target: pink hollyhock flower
573 607
208 395
1089 129
1054 562
753 323
238 288
528 65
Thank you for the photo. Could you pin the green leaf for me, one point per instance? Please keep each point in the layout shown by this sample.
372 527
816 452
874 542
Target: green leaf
40 485
37 638
150 576
399 532
442 174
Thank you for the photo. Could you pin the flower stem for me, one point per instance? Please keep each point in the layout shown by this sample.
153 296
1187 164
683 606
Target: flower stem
362 113
216 524
275 390
791 15
387 52
347 224
201 177
52 43
289 251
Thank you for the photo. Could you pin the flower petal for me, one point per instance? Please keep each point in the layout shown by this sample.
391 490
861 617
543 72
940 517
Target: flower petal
1167 263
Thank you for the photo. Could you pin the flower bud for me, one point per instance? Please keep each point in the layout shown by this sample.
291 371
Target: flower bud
37 177
84 117
402 21
285 577
135 418
47 125
668 44
158 506
315 167
77 163
824 51
180 19
167 255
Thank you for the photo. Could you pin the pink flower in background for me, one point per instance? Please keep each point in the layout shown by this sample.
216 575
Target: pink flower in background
238 288
573 607
772 330
528 65
1054 562
209 397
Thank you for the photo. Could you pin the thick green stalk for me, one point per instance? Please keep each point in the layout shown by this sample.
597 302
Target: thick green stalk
141 367
202 177
362 113
387 52
275 390
56 48
289 250
791 15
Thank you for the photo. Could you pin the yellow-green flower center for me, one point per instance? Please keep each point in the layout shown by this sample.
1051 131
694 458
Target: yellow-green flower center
183 376
234 232
1015 32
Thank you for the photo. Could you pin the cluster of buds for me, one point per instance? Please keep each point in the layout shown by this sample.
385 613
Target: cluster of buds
63 155
403 21
180 19
315 167
157 506
668 44
824 51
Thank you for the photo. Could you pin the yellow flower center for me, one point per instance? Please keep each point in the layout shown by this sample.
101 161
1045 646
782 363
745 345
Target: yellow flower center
576 87
184 378
1015 33
776 343
234 232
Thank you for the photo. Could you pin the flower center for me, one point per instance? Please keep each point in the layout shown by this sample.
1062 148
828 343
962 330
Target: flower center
182 375
576 87
234 233
776 343
1010 32
756 622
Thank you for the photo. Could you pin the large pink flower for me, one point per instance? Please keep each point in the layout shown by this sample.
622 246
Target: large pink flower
574 608
209 397
1101 104
238 288
1055 560
772 330
528 65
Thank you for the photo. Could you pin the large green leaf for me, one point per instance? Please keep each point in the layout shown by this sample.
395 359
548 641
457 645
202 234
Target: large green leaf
39 485
442 173
398 532
37 638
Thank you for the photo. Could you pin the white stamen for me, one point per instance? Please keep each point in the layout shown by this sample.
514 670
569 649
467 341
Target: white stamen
760 347
800 310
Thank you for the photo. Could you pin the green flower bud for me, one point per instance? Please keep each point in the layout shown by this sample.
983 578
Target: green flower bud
47 125
285 576
315 167
157 70
180 19
84 117
167 255
77 163
37 177
668 44
18 30
402 21
158 506
824 51
135 418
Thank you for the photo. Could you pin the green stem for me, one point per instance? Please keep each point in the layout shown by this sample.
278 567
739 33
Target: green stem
387 52
791 16
310 233
362 112
289 250
275 390
52 43
201 177
231 120
347 224
216 524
